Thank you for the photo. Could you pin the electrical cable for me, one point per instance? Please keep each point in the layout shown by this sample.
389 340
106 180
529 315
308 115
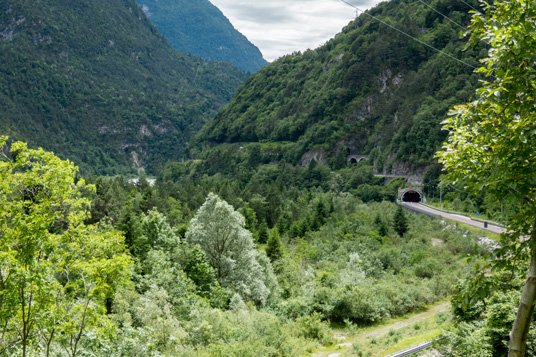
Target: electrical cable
445 16
410 36
471 7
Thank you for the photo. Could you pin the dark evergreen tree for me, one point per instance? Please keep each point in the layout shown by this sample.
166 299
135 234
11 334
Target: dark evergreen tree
295 230
274 247
283 223
263 233
380 224
400 222
320 216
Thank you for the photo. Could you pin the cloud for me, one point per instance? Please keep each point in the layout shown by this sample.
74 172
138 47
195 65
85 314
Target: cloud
280 27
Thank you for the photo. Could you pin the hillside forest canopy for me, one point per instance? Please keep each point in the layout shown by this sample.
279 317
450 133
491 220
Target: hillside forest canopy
153 279
248 249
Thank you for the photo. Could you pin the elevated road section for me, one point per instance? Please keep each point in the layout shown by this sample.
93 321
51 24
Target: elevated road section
425 209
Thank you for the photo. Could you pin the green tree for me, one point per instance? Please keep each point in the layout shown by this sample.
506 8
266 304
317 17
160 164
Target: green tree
156 233
219 231
491 140
274 246
263 233
381 225
250 217
56 273
400 221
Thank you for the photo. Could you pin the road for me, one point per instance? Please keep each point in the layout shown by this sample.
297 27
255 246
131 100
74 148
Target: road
455 217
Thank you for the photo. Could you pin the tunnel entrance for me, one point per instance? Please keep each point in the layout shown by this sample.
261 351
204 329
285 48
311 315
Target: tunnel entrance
411 196
353 161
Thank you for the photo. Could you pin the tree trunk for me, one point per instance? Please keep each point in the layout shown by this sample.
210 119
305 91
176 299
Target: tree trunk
520 330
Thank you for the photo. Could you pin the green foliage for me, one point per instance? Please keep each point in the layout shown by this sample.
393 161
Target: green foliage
263 234
400 222
341 269
381 226
57 274
490 143
312 327
274 246
199 28
106 90
370 90
488 337
219 231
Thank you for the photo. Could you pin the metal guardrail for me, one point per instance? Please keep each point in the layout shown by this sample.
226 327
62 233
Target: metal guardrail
465 215
488 222
419 211
412 350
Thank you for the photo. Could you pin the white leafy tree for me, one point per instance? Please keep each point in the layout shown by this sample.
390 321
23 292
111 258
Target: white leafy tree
229 246
353 274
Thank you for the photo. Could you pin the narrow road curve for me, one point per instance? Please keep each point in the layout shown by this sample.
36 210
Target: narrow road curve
413 206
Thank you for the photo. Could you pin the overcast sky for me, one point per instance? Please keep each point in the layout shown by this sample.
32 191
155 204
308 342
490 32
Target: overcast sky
280 27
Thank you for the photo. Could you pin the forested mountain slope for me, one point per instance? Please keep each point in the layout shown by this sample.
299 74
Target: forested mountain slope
200 28
95 82
370 90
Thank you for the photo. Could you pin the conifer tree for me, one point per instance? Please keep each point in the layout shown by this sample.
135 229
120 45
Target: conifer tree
263 233
381 225
400 222
274 246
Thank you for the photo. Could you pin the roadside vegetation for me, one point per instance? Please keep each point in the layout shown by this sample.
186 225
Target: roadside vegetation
297 260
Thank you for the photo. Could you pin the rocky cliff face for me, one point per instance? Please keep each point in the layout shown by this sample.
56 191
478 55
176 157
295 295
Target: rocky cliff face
370 90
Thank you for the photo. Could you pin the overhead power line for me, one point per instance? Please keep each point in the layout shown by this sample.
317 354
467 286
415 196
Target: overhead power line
410 36
471 7
445 16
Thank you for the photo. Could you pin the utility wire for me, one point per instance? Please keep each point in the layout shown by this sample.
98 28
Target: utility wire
410 36
445 16
471 7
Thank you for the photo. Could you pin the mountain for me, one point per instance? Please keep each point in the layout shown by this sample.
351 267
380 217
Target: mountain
371 90
200 28
94 81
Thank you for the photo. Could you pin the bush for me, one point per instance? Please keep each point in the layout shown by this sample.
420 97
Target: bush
362 304
313 327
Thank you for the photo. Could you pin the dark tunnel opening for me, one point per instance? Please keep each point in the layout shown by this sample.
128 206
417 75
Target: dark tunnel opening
412 196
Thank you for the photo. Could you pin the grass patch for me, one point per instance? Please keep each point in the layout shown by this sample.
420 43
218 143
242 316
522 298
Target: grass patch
412 341
390 336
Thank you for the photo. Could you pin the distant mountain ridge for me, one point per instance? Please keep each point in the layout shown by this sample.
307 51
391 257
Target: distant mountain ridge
94 81
200 28
370 90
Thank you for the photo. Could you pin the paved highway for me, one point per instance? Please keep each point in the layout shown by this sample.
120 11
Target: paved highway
455 217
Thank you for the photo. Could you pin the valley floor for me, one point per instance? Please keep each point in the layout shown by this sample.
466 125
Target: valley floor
389 337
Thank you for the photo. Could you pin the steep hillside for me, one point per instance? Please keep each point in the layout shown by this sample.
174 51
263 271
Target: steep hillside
200 28
95 82
371 90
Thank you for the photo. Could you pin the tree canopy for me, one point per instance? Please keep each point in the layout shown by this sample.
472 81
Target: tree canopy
221 233
491 142
57 274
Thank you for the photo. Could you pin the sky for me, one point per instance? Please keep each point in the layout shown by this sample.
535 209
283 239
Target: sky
280 27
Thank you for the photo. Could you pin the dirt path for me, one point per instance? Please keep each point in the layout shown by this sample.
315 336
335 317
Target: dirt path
383 330
377 332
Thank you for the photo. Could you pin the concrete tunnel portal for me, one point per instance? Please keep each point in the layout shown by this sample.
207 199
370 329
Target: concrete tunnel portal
411 194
